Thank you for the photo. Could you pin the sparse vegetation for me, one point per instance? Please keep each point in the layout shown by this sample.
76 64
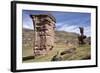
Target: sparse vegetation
62 43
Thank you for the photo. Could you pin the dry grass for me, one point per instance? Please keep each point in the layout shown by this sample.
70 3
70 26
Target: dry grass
82 52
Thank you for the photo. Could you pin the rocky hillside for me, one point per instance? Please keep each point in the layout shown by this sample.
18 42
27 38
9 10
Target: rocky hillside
61 39
64 37
61 36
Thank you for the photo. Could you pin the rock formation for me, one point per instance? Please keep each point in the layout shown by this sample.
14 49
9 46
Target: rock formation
44 27
82 36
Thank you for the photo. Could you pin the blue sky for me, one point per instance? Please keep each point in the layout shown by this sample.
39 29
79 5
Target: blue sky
65 21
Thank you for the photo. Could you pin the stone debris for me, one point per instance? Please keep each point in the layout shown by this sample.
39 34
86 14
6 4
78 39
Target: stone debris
68 51
56 57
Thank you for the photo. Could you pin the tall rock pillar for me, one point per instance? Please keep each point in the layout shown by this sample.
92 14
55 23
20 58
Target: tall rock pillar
44 28
82 36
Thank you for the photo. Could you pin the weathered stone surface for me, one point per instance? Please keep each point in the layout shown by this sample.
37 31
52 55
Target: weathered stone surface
44 27
56 57
68 51
81 37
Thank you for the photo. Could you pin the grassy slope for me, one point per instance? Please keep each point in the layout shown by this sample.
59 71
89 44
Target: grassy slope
82 52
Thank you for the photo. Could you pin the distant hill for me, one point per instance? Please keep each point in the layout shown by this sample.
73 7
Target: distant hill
60 36
62 39
63 36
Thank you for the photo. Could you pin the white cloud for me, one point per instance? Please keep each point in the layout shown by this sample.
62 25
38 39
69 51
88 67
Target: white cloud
87 31
28 26
67 27
75 28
